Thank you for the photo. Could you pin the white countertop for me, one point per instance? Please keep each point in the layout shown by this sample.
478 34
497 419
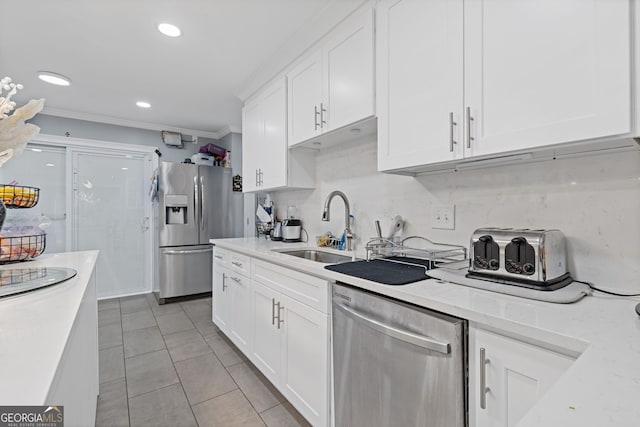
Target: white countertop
602 388
34 329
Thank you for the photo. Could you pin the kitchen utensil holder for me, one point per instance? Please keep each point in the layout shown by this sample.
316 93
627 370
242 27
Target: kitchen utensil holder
442 253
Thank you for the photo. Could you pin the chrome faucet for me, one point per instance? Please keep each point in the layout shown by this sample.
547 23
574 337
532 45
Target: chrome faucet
326 215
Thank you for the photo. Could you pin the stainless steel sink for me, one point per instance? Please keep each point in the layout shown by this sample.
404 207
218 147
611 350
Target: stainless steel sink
318 256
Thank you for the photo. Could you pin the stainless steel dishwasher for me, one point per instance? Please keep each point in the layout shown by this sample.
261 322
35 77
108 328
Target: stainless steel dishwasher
396 364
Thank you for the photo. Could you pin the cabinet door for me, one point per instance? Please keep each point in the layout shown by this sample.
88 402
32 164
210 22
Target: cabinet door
517 374
304 84
252 141
419 72
348 78
305 361
275 149
221 296
241 311
266 351
540 72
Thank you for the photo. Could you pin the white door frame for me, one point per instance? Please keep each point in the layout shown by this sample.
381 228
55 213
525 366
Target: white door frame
90 146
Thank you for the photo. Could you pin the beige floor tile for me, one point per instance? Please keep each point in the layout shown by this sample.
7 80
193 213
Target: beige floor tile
142 341
174 322
111 364
166 407
228 354
179 338
149 372
138 320
113 409
203 378
260 392
229 410
284 415
109 336
194 347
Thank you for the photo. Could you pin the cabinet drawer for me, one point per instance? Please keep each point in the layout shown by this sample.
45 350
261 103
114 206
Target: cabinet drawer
306 289
240 263
220 256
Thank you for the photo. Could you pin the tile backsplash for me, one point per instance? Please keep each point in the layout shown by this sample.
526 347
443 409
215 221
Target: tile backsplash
594 200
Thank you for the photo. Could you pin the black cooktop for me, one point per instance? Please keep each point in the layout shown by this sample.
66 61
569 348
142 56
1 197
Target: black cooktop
392 271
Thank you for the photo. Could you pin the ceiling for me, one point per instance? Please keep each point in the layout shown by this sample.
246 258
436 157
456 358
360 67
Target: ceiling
114 56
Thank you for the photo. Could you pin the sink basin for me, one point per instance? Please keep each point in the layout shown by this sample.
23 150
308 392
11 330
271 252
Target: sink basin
318 256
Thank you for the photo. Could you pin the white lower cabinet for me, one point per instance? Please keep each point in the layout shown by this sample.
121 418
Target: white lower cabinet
279 319
507 377
232 307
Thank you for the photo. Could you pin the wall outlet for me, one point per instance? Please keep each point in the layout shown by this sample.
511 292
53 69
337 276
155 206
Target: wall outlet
443 217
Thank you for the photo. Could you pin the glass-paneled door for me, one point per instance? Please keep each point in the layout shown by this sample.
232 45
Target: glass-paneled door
43 167
112 213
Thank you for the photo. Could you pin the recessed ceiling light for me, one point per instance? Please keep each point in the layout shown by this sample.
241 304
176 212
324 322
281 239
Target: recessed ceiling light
54 78
50 164
125 169
169 30
37 150
143 104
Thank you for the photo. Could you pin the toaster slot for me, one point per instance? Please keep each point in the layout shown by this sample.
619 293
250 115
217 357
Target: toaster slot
486 254
519 257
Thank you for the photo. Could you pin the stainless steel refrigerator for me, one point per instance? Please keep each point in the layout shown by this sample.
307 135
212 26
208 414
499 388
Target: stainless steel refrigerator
195 205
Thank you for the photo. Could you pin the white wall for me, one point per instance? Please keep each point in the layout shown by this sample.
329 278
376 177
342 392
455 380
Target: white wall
594 200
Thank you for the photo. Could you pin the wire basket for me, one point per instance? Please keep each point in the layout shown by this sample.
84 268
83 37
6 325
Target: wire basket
326 241
19 197
21 248
264 228
437 252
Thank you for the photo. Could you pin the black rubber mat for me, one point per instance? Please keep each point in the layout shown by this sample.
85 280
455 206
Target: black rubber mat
385 272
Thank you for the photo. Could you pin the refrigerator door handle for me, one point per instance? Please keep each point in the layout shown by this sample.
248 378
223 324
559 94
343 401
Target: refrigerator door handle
196 201
196 251
202 203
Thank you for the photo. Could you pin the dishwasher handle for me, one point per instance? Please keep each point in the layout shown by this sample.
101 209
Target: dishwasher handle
192 251
410 337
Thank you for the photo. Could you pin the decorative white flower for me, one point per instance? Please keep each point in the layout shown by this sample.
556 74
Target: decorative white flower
14 132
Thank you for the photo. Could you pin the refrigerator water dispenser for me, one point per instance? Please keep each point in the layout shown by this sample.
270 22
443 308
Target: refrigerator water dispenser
176 208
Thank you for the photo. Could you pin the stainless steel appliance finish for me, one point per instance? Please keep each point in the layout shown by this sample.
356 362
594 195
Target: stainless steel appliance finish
318 256
396 364
538 256
291 230
194 206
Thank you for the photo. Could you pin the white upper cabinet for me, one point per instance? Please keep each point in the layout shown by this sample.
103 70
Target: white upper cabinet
466 79
542 72
334 85
419 70
266 161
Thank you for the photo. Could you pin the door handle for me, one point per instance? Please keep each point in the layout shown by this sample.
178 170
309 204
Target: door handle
196 201
452 140
224 284
280 308
316 113
469 120
410 337
484 361
219 257
236 279
236 263
202 203
273 311
322 120
196 251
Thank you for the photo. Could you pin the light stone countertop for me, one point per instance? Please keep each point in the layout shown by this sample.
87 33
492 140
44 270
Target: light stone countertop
35 327
601 388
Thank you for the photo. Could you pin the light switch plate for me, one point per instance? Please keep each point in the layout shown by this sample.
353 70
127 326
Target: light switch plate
443 217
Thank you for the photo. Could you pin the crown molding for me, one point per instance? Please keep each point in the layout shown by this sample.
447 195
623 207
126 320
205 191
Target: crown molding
98 118
307 37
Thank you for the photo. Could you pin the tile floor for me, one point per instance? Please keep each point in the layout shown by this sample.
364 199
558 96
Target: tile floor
170 366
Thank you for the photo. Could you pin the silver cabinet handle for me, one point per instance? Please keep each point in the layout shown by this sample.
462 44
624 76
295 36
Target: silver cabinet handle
236 279
322 120
273 311
196 200
410 337
236 263
224 284
219 256
469 120
256 177
452 132
261 182
483 379
280 320
197 251
202 203
316 113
